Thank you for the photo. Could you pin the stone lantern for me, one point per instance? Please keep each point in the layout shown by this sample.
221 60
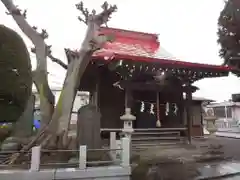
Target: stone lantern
210 121
128 119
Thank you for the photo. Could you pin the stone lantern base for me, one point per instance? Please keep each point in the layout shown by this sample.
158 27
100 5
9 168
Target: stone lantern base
210 124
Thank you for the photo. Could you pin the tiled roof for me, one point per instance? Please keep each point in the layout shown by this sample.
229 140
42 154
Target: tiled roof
161 53
140 46
130 43
135 49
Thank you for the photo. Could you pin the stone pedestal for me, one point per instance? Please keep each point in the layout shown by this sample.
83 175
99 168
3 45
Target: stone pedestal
210 124
128 119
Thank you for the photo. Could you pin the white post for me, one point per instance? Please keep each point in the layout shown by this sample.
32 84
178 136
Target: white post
125 157
82 157
225 109
35 158
113 145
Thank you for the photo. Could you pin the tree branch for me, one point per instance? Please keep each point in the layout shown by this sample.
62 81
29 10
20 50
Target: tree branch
38 39
58 61
84 11
54 59
94 41
105 15
31 32
101 18
20 19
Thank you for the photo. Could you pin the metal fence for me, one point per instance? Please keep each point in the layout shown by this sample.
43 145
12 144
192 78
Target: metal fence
229 126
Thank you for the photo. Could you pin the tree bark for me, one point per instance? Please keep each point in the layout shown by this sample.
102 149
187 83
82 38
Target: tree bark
58 122
40 75
24 126
78 63
47 99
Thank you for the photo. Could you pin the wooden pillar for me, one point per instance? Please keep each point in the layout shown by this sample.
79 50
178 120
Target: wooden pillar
189 113
96 95
128 98
158 123
181 108
128 102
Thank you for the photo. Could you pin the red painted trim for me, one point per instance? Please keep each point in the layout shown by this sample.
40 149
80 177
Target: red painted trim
174 62
164 61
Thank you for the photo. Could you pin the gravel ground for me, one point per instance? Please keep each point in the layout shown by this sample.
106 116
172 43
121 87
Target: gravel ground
231 147
174 162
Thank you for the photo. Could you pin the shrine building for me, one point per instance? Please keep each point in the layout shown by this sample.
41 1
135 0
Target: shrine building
134 71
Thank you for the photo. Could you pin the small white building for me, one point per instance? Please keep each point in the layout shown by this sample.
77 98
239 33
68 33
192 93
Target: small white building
227 110
82 98
228 116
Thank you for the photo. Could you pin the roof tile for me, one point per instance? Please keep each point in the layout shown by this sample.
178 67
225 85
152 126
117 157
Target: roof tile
143 46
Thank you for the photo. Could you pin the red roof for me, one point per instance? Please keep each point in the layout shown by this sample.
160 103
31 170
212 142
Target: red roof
145 47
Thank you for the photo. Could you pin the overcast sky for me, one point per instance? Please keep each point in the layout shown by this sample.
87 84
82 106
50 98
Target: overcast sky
186 28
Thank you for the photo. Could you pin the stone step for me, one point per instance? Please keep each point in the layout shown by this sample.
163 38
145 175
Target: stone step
139 146
228 134
157 133
3 156
159 129
157 142
149 144
155 138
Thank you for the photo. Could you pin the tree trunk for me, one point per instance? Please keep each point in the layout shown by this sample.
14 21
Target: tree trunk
40 75
47 99
77 66
62 114
58 122
24 126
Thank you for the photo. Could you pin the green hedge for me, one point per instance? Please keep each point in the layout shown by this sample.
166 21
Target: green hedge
15 75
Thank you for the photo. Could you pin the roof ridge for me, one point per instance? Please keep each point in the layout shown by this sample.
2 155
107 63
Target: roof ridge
130 33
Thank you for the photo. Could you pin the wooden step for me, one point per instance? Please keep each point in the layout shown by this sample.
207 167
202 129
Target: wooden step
155 133
155 138
139 144
160 129
3 156
146 144
157 142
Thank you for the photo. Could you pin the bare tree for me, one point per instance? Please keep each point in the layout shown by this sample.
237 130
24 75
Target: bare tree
56 120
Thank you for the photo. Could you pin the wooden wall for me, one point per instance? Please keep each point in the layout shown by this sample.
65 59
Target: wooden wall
197 127
111 103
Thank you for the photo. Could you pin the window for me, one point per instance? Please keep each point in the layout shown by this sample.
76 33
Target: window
220 112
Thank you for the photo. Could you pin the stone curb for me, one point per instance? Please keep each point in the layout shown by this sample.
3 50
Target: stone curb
228 175
228 135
